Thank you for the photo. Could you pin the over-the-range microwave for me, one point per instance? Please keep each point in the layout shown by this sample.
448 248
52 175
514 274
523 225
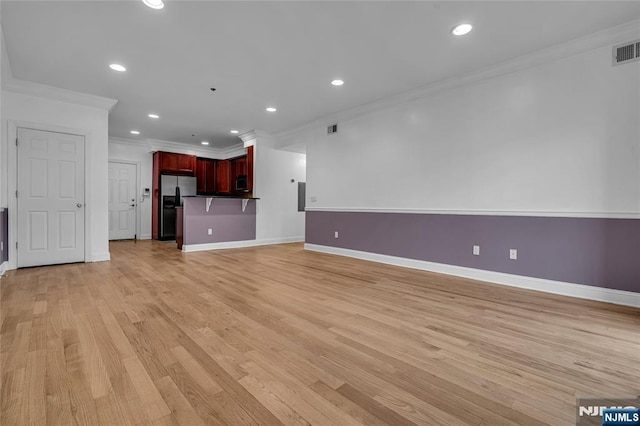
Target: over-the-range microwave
241 183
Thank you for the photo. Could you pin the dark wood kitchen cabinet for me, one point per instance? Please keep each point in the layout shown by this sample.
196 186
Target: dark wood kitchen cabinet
166 163
250 168
242 167
205 176
177 164
201 175
186 163
239 167
223 177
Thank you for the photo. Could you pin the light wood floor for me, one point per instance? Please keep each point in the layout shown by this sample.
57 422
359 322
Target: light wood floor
275 335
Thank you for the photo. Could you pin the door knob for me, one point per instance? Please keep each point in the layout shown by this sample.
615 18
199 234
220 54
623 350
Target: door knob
133 205
79 205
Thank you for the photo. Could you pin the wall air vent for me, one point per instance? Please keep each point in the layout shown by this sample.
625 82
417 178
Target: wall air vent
332 129
626 52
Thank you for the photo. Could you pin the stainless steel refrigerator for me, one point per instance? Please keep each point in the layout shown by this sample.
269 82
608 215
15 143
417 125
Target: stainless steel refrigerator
170 186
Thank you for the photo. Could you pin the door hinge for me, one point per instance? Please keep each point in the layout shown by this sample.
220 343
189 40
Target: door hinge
16 141
16 245
16 193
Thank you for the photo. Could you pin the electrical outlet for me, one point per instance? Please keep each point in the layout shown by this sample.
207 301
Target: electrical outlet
314 199
1 245
513 254
335 234
476 250
210 231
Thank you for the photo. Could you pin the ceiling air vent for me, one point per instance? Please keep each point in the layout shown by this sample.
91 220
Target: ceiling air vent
332 129
626 52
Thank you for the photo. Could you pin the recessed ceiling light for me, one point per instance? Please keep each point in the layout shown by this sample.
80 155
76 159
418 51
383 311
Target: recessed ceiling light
461 29
117 67
135 132
337 82
154 4
271 109
235 132
153 116
204 143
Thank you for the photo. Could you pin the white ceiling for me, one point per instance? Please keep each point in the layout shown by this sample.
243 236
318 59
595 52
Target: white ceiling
272 53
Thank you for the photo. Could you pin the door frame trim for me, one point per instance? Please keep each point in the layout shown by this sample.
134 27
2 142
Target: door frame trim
138 165
12 180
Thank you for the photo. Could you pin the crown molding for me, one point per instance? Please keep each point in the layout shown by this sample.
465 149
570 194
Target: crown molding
248 137
182 148
129 142
55 93
152 145
233 151
608 37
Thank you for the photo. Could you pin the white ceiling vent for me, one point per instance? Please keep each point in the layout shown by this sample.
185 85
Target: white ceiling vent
626 52
332 129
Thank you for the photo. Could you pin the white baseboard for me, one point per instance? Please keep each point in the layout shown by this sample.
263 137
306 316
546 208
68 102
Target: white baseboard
100 257
144 237
279 240
4 266
239 244
619 297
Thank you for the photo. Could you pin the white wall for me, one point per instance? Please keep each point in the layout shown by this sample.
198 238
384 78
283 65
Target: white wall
5 75
560 137
277 216
48 114
129 152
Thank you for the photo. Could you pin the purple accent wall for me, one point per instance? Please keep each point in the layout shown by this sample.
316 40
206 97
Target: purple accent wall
4 235
225 218
595 252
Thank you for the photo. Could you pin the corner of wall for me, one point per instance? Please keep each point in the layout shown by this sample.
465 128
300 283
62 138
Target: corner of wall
100 257
276 175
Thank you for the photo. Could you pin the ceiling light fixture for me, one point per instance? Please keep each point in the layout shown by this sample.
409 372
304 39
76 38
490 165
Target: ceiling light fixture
117 67
204 143
153 116
337 82
235 132
154 4
461 29
135 132
271 109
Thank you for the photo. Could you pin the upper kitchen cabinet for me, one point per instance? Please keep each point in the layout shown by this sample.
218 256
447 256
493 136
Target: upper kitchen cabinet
242 172
177 164
239 166
223 177
206 176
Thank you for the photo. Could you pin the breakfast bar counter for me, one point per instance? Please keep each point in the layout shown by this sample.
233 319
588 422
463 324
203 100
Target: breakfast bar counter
216 222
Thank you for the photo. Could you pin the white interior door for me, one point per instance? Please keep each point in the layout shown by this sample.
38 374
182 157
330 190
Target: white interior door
122 201
51 210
